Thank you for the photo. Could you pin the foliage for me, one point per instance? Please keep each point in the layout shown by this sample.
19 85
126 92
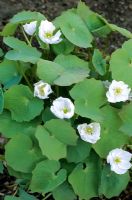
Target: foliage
44 153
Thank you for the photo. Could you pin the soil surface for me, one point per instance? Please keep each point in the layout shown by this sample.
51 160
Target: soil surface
115 11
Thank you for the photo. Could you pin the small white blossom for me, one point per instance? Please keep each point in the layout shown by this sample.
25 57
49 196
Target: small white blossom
118 91
89 132
30 28
62 108
46 33
42 90
119 160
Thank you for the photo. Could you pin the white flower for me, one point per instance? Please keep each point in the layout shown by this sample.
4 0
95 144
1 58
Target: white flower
62 108
118 91
30 28
46 33
42 90
89 132
119 160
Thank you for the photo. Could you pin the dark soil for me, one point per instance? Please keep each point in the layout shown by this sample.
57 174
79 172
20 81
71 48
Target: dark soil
115 11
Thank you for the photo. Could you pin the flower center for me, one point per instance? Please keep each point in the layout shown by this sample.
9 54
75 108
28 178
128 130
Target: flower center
65 110
48 35
89 130
117 91
41 90
117 160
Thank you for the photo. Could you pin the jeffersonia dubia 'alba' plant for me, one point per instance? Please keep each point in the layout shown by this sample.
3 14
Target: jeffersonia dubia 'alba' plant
119 160
118 91
42 90
65 106
46 33
30 28
89 132
62 108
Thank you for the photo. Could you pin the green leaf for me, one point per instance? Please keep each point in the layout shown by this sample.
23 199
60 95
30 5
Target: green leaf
48 71
62 191
12 198
21 51
9 74
102 31
93 21
76 33
48 115
90 18
122 31
1 52
64 47
112 184
25 196
121 63
20 155
9 29
64 71
26 16
1 100
111 137
1 167
19 175
65 133
15 127
79 152
126 117
47 176
75 70
20 18
52 148
98 62
85 179
89 95
20 96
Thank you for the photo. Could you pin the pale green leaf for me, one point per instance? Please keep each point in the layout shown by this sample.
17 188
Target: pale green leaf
15 127
21 51
1 100
85 179
52 148
89 95
99 62
75 70
20 154
64 191
112 184
79 152
20 96
121 63
65 133
111 137
75 29
47 176
126 117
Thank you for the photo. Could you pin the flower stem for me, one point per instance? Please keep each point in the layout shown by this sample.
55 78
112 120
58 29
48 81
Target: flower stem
48 195
25 36
20 70
57 90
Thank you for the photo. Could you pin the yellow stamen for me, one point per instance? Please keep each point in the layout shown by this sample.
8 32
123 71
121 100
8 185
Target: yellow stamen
117 160
65 110
41 90
117 91
89 130
48 35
